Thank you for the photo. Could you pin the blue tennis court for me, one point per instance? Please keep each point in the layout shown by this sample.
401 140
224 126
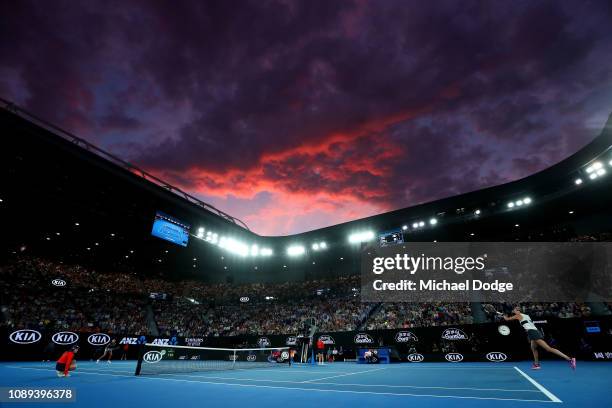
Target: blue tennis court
339 384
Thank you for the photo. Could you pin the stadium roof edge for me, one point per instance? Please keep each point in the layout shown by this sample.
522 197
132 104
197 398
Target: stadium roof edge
562 170
90 147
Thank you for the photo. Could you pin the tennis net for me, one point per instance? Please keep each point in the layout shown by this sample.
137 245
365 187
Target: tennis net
165 359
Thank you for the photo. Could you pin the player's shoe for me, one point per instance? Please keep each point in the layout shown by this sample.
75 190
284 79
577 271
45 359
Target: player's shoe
572 363
109 361
535 366
97 361
59 373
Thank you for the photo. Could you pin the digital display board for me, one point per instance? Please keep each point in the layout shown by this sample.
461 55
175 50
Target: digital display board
390 238
170 229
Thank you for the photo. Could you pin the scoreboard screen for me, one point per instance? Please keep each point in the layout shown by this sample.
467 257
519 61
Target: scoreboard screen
391 238
170 229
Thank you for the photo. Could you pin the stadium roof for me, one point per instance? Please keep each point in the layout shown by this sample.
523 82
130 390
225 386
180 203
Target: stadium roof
67 199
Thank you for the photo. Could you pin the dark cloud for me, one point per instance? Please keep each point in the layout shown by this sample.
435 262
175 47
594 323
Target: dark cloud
314 112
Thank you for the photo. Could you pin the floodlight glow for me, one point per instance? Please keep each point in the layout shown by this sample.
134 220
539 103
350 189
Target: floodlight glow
433 221
296 250
200 232
510 204
610 163
315 246
404 227
266 252
415 225
477 212
361 237
527 200
519 203
421 223
593 176
323 245
601 172
254 250
597 165
578 181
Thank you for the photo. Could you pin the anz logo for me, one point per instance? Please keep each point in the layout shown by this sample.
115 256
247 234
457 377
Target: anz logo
415 358
454 357
496 357
64 338
25 336
98 339
152 357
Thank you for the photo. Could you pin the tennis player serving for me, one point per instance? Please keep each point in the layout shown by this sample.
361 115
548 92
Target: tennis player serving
535 338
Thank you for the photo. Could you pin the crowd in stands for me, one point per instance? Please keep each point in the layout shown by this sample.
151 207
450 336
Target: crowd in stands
408 315
29 300
120 303
561 310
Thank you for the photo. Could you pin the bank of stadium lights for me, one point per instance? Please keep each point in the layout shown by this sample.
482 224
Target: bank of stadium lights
418 224
232 245
433 221
578 181
318 246
596 170
404 228
296 250
477 212
362 236
519 203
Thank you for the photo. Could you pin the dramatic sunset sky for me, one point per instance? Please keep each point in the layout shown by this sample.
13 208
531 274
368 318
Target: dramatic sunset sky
294 115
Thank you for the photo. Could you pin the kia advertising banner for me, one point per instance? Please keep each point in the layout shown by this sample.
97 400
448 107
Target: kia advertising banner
491 342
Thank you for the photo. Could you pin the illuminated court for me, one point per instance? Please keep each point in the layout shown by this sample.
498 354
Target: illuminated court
338 384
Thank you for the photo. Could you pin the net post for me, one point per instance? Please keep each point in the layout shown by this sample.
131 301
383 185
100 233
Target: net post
312 359
234 360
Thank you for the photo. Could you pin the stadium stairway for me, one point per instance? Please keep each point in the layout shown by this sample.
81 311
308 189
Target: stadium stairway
364 321
478 314
151 323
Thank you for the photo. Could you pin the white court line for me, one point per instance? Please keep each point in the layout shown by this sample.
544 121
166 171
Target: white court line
344 375
549 394
302 389
186 375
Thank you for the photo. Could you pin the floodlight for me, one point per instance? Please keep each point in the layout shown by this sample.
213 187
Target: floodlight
296 250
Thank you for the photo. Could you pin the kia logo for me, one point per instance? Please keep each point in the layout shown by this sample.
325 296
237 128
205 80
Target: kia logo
58 282
25 336
251 357
454 357
98 339
244 299
415 358
264 342
291 341
152 357
64 338
496 356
